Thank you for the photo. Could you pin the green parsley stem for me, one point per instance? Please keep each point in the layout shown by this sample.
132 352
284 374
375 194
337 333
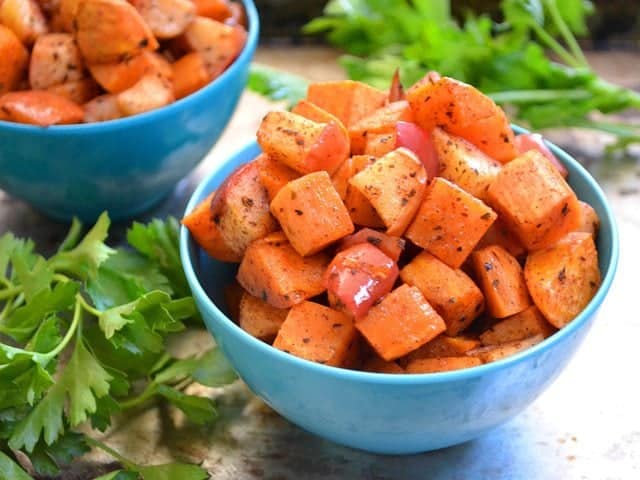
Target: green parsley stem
148 392
128 464
555 46
534 96
77 315
58 277
566 33
92 310
10 292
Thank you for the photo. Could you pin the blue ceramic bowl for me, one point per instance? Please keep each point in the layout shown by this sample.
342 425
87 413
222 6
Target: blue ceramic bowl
127 165
384 413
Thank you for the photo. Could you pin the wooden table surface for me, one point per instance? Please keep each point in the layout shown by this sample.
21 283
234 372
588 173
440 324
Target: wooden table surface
586 426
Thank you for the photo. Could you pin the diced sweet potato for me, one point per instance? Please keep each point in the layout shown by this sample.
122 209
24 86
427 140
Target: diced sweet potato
395 186
534 141
166 18
464 164
522 325
240 209
189 74
260 319
273 174
502 281
449 222
353 358
442 346
150 92
463 111
317 333
24 18
402 322
346 99
273 271
232 294
441 364
302 144
216 9
563 279
382 120
499 234
110 31
534 201
14 60
360 208
205 231
218 43
378 365
589 220
493 353
379 144
311 213
390 245
55 59
41 108
313 112
102 108
449 291
78 91
63 19
116 77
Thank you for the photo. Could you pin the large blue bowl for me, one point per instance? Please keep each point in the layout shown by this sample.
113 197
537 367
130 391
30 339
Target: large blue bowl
127 165
384 413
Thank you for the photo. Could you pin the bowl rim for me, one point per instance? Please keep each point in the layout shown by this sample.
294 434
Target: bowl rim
404 379
173 108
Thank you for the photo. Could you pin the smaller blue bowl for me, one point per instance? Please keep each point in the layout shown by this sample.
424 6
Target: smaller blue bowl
124 166
383 413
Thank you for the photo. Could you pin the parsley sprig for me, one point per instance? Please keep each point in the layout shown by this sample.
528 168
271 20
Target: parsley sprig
83 337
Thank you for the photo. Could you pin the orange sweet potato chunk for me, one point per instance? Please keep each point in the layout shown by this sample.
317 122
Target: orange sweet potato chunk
41 108
442 346
360 209
78 91
589 220
317 333
24 18
260 319
522 325
394 185
563 279
450 222
499 234
348 100
379 144
390 245
150 92
311 213
449 291
402 322
493 353
166 18
189 74
102 108
313 112
14 60
273 271
534 201
382 120
55 59
502 281
115 77
462 110
273 174
378 365
302 144
441 364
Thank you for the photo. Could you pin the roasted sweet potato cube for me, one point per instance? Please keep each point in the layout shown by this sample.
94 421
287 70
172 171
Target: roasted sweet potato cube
216 9
41 108
534 200
78 91
463 111
14 60
189 74
379 144
302 144
202 226
346 99
24 18
402 322
273 271
311 213
111 30
502 281
499 234
166 18
450 222
62 20
260 319
464 164
317 333
313 112
563 279
102 108
492 353
589 220
522 325
449 291
116 77
218 43
442 346
382 120
378 365
395 186
150 92
55 59
360 208
240 208
273 174
441 364
390 245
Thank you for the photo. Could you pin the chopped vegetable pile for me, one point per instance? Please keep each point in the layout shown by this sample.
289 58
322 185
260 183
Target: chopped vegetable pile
83 337
400 232
71 61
